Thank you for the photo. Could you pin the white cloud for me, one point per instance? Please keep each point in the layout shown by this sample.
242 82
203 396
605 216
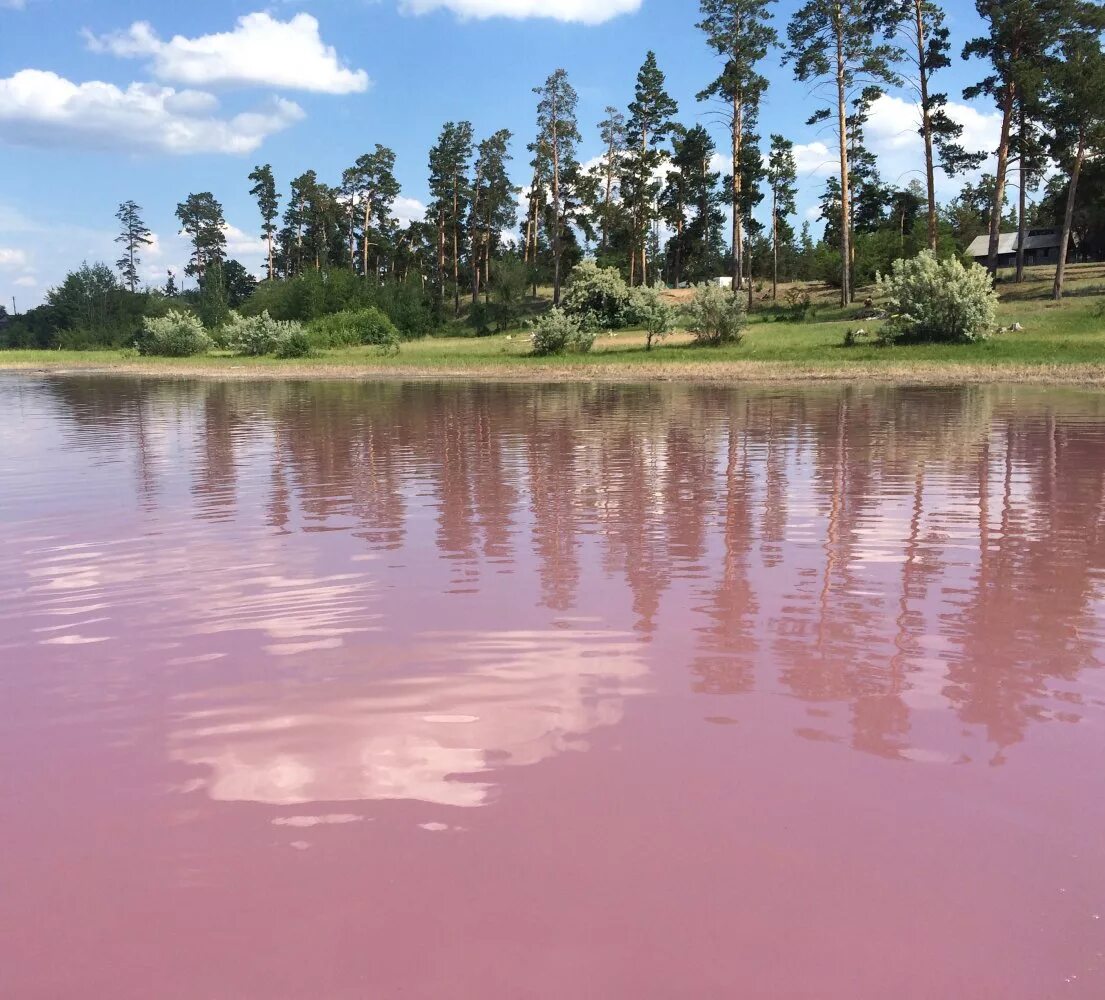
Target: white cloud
260 51
239 243
815 159
10 258
13 4
892 135
39 108
580 11
27 281
408 210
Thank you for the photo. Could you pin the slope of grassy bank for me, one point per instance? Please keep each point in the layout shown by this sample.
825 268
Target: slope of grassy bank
1060 341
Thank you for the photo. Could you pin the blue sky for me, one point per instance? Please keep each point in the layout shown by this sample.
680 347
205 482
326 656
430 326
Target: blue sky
100 101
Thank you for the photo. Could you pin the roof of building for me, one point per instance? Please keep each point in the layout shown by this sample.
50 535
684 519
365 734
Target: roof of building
1037 239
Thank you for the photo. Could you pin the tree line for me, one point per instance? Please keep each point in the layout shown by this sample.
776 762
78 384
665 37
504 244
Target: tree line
659 204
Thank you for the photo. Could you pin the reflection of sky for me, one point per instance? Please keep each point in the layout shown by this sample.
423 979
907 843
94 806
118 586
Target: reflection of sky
473 703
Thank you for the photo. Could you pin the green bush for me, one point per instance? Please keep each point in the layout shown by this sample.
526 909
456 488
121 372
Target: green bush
649 311
349 329
317 294
293 343
558 333
716 316
596 296
251 335
176 335
931 300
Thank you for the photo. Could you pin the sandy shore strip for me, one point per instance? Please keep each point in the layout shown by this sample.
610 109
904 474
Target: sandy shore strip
702 372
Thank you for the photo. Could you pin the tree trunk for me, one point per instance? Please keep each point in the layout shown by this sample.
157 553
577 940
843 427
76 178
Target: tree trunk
609 197
738 143
678 247
774 244
1022 201
352 234
367 224
926 124
1068 218
456 245
845 180
999 185
556 209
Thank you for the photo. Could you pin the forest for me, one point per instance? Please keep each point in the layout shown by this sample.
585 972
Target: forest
510 217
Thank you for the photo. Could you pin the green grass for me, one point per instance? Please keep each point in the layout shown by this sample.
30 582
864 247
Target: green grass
1067 333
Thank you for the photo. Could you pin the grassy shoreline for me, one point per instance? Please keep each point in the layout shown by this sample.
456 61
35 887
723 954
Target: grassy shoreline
1059 343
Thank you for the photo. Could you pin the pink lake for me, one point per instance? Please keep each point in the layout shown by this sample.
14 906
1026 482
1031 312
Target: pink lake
358 690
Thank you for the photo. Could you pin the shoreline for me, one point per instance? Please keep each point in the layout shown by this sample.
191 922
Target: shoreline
928 373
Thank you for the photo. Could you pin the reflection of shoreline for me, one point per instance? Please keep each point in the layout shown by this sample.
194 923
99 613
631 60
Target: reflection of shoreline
929 561
508 699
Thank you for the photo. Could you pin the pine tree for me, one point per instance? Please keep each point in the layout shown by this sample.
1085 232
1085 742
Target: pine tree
133 236
741 33
201 220
492 206
927 46
841 46
450 187
650 123
690 204
1021 32
782 176
268 204
369 188
612 130
555 155
1076 112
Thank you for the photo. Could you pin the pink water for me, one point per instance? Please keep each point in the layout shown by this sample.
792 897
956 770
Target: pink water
443 691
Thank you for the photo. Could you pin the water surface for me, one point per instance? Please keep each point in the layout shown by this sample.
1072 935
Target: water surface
442 691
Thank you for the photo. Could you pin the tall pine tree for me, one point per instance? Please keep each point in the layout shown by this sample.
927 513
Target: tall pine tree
650 124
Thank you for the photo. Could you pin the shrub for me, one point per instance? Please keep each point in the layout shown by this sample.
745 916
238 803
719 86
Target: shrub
176 335
355 328
716 316
558 333
938 300
293 343
252 335
799 304
649 311
596 296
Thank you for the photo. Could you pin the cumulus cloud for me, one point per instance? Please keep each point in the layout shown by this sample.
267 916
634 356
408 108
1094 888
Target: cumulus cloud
10 258
40 108
408 210
260 51
892 135
579 11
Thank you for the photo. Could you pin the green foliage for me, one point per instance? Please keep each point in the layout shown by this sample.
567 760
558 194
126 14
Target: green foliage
716 316
649 311
293 343
254 336
596 297
558 333
354 328
799 304
932 300
213 303
314 294
177 335
853 337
